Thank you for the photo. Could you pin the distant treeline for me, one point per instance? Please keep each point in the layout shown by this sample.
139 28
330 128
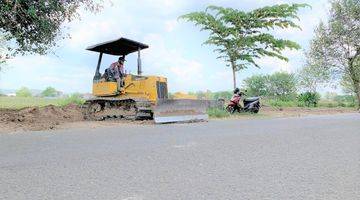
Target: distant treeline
280 88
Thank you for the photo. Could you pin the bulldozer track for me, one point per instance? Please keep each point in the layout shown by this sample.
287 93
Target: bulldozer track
100 109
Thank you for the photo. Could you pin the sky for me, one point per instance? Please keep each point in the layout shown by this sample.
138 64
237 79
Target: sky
176 50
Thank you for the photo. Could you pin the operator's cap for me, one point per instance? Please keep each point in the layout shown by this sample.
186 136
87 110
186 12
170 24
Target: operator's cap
122 58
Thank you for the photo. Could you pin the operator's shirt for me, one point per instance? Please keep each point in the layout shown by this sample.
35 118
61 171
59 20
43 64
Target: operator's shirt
117 69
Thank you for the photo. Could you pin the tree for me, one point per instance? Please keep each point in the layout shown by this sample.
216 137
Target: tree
312 76
49 92
281 85
347 85
3 51
336 45
23 92
242 37
35 26
256 85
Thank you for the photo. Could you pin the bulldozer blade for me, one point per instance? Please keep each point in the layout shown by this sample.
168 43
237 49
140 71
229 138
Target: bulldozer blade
180 110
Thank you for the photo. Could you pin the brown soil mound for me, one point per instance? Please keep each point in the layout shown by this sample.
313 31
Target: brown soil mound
35 118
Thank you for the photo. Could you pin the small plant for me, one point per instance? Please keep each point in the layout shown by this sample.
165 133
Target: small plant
331 105
309 99
73 99
351 105
280 104
217 113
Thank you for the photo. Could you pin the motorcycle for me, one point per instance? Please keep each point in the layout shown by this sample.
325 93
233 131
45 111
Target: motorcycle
251 104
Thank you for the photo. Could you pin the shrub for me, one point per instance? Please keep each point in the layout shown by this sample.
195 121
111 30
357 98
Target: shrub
351 105
23 92
73 99
280 104
343 99
49 92
309 99
280 86
342 104
256 85
217 113
331 105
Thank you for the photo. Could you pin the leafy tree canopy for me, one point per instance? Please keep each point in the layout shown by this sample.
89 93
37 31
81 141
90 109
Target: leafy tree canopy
49 92
256 85
242 37
312 76
35 26
280 86
336 45
23 92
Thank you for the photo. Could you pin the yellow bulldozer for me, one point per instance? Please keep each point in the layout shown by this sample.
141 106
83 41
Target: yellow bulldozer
138 97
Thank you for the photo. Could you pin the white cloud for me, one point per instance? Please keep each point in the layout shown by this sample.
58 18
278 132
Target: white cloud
166 6
38 72
273 64
94 28
182 73
170 25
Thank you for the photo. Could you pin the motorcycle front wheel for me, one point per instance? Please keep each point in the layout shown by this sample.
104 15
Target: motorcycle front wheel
230 109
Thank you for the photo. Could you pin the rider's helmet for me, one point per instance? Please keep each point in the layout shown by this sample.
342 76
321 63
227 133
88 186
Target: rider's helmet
236 91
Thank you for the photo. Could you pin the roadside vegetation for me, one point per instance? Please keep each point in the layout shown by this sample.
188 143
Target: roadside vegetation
334 101
282 90
222 113
19 102
335 48
217 113
333 58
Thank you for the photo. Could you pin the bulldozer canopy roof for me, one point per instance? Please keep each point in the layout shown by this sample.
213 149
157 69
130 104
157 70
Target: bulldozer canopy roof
121 46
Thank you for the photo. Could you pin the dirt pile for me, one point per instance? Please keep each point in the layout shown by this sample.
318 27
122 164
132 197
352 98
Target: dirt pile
35 118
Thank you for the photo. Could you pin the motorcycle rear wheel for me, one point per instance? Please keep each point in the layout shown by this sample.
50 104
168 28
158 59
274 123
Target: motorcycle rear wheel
255 110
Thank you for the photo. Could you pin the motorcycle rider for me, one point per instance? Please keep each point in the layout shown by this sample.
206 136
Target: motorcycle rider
236 99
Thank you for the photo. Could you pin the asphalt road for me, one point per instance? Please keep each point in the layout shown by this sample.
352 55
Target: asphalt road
297 158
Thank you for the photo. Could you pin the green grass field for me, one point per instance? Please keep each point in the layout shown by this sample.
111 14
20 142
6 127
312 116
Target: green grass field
22 102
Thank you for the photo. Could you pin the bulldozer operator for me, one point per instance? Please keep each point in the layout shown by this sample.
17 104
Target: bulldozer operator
116 72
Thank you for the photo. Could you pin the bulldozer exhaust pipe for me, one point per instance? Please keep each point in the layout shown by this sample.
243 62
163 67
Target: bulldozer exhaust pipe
139 70
97 72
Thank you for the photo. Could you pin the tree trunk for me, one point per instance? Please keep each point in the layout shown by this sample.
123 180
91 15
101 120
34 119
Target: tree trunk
234 74
355 79
357 91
